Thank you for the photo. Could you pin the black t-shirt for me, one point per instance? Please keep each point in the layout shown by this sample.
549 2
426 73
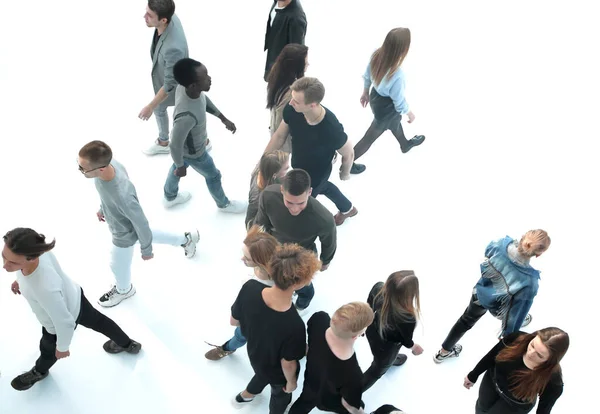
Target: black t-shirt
155 42
326 375
401 331
313 146
271 335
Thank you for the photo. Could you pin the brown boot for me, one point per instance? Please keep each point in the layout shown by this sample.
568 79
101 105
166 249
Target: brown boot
341 217
217 353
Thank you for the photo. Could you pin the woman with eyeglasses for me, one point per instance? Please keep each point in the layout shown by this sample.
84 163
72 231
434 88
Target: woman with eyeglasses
397 308
258 249
518 370
58 303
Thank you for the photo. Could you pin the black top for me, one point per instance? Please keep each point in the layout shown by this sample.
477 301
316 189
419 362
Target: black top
271 335
155 40
314 221
386 409
401 331
289 26
314 146
326 375
501 372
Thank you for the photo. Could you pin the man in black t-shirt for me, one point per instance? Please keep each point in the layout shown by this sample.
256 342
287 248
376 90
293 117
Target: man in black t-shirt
317 135
275 332
333 379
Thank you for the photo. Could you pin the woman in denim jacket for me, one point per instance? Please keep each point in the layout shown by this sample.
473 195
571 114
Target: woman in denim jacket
506 289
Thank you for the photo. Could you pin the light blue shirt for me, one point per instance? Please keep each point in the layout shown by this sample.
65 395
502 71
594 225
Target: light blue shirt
392 87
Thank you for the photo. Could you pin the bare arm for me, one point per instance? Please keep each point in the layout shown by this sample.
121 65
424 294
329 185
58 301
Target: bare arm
352 410
347 153
278 138
233 321
289 370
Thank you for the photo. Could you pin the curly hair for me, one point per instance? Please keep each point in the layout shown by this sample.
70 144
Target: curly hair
293 265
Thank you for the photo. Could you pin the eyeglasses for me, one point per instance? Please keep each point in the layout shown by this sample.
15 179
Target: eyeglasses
83 171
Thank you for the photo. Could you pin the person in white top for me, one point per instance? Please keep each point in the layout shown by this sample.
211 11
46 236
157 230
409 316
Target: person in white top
258 250
58 303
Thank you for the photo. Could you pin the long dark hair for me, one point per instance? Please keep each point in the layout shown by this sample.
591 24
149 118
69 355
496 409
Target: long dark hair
526 384
27 242
289 66
400 299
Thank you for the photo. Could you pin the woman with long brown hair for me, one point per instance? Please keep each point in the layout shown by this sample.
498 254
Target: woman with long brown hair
387 99
257 250
270 169
518 369
289 66
397 308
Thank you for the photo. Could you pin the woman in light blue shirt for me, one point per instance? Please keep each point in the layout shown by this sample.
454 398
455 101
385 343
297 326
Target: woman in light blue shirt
386 97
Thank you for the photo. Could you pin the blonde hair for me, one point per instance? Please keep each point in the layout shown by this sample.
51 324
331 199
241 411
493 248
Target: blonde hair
534 242
313 89
350 319
387 59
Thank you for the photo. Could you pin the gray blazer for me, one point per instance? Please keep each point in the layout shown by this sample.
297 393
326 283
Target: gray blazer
171 47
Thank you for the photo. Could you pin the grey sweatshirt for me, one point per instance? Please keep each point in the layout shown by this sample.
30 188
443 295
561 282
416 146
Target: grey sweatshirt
122 211
188 138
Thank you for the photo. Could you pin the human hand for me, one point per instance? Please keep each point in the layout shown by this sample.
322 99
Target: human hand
364 99
180 171
100 216
468 384
61 355
411 117
417 349
324 267
229 125
350 409
148 257
344 177
290 387
15 288
146 113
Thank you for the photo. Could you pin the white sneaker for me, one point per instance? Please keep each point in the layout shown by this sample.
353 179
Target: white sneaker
527 320
235 207
208 146
156 149
182 198
193 237
113 297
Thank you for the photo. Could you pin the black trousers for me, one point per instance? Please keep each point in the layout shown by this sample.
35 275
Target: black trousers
384 355
490 402
279 398
309 400
471 315
333 193
88 317
385 117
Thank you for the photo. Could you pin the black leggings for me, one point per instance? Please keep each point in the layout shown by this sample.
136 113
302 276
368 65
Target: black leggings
468 319
490 402
88 317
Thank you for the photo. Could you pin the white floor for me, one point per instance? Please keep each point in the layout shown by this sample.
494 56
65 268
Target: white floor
504 93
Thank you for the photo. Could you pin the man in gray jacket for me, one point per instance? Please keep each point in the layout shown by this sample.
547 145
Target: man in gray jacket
188 146
168 46
121 210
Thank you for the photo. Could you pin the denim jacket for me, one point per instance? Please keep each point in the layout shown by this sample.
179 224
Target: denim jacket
506 288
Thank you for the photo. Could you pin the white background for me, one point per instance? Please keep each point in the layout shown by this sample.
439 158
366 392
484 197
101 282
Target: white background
506 93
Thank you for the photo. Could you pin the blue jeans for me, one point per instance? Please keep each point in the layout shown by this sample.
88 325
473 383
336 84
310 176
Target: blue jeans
162 120
237 341
305 295
205 166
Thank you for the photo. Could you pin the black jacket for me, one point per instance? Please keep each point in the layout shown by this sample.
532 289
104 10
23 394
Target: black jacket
289 26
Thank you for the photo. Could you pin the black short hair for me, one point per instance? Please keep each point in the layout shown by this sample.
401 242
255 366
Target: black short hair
165 9
184 71
296 182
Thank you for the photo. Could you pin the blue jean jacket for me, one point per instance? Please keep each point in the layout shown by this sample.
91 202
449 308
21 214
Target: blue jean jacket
506 288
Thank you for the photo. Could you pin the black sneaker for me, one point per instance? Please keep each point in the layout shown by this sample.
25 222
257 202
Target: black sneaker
358 168
400 360
112 348
413 142
26 380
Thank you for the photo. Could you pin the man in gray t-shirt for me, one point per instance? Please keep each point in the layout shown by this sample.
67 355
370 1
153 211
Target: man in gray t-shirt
121 210
188 138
